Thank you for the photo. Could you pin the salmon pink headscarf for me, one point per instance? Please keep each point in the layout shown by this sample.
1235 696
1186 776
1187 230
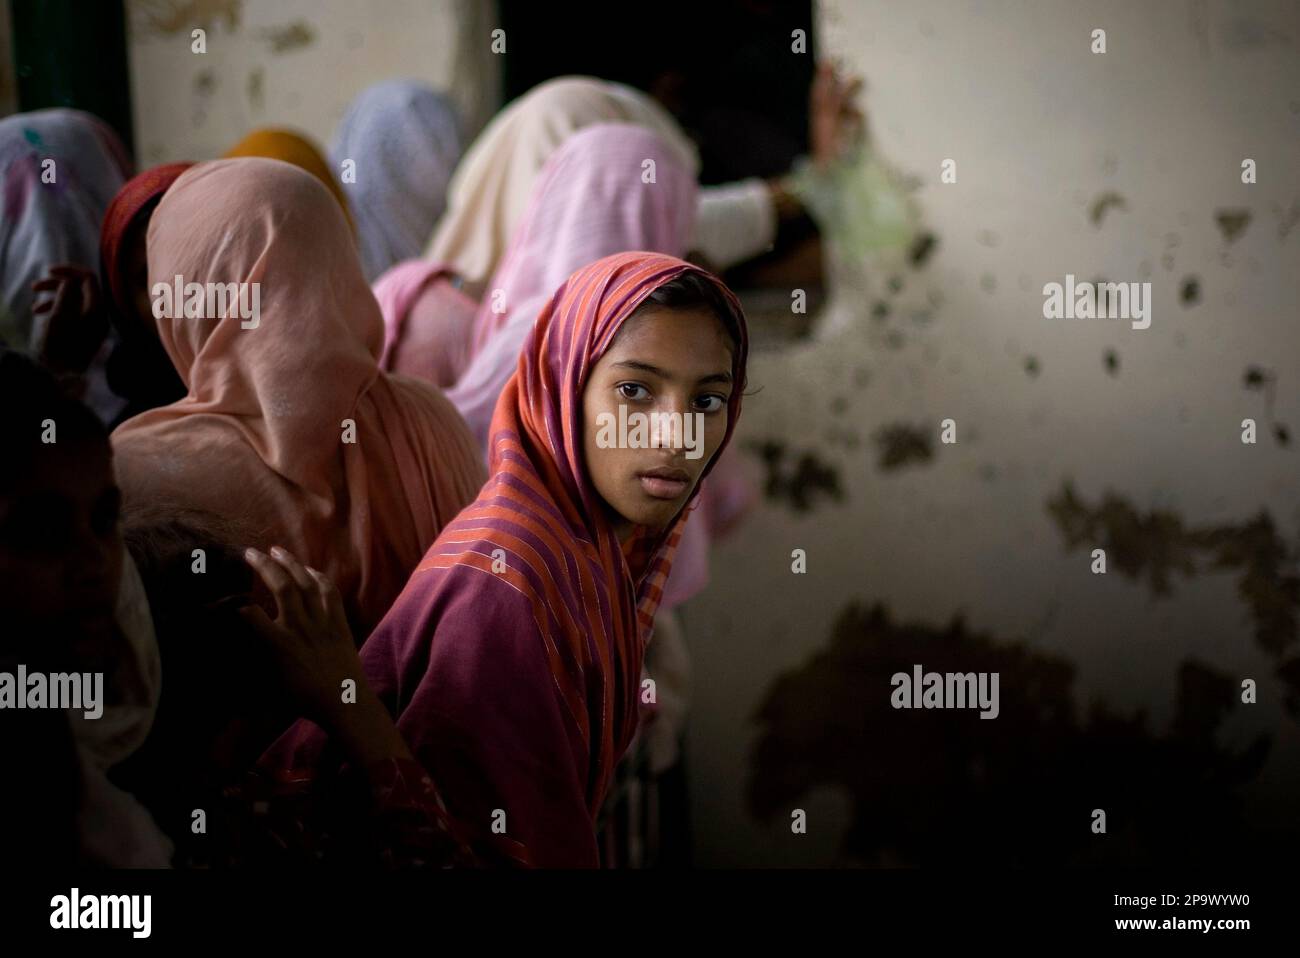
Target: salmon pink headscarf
512 659
289 429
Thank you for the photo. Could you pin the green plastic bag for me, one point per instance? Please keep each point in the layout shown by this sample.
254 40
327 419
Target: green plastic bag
860 204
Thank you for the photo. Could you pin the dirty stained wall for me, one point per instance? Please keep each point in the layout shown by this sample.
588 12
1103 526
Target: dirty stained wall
1071 434
293 63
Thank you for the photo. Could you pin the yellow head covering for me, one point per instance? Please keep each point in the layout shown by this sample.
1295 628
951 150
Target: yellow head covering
296 149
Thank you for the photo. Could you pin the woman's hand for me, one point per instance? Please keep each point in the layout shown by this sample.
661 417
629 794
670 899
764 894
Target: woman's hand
312 644
77 321
834 120
309 639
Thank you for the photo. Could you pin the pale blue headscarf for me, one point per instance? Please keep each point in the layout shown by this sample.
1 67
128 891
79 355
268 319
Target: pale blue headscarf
51 213
404 140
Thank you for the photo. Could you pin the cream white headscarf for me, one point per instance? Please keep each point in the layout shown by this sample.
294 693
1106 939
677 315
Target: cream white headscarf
494 182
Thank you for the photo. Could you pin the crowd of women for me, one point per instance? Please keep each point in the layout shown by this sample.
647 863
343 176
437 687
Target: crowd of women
363 586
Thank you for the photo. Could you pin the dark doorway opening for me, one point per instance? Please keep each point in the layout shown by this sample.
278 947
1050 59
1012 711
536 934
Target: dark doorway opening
724 68
73 54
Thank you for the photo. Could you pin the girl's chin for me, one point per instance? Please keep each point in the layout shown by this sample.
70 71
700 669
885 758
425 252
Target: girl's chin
659 517
655 516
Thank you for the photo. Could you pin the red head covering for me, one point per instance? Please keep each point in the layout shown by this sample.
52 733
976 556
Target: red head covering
133 197
512 659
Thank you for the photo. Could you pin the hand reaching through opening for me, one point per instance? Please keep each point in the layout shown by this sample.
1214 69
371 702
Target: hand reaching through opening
834 119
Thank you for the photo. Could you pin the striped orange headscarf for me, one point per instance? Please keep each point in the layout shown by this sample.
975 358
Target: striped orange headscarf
512 659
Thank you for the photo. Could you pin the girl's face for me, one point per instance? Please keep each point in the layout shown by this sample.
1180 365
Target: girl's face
667 365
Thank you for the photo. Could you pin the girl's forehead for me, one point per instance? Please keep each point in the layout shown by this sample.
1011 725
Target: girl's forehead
686 341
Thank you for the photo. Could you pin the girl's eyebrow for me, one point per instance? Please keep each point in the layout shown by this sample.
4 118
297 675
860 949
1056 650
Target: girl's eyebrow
722 377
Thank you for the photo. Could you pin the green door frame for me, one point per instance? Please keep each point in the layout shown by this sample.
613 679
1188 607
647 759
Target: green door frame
72 53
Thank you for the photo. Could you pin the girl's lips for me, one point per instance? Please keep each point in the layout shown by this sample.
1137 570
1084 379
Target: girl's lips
661 488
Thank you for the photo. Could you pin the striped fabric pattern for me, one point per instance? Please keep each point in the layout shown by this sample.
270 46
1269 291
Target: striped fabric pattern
512 659
596 599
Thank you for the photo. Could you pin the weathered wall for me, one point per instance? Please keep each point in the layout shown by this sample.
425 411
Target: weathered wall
1042 130
1110 165
294 63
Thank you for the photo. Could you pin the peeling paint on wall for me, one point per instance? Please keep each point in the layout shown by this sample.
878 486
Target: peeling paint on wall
942 788
1104 203
171 17
291 36
798 483
1232 223
898 444
1152 549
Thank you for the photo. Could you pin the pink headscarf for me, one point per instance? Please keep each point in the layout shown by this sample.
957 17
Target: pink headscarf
592 201
427 322
512 659
611 188
262 438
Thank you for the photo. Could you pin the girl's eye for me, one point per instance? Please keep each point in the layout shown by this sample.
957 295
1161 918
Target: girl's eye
715 402
624 387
